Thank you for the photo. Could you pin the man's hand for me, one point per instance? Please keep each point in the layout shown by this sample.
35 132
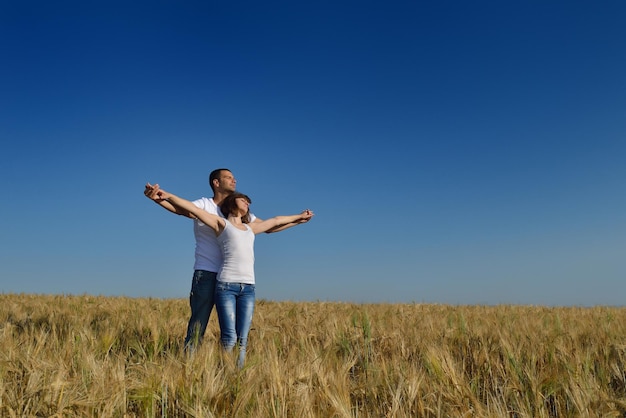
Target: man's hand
307 215
152 192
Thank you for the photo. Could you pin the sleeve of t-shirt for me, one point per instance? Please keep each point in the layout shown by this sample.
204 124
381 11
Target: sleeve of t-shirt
199 203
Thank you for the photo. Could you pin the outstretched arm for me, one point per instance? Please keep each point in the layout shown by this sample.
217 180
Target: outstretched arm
281 222
286 226
212 221
152 192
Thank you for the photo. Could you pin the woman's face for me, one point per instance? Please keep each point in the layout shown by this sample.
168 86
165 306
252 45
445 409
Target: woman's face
242 204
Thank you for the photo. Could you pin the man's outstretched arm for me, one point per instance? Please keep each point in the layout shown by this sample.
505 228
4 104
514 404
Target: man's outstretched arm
152 192
288 225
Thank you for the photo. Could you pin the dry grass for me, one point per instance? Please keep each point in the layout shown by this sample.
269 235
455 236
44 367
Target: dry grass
84 356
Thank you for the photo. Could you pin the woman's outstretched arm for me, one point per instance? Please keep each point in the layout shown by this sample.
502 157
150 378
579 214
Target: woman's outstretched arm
278 221
212 221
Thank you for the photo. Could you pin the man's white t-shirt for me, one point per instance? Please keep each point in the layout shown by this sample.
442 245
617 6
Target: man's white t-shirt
208 253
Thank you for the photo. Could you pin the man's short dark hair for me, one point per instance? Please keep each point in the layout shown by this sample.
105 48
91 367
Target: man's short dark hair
215 175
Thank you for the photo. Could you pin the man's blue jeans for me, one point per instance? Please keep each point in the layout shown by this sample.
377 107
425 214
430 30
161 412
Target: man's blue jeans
201 301
234 303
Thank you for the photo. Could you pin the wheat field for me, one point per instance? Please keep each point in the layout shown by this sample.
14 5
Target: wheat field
86 356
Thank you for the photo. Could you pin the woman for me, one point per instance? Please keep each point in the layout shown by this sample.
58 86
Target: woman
235 289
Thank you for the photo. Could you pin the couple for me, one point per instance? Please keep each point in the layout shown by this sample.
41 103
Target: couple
224 230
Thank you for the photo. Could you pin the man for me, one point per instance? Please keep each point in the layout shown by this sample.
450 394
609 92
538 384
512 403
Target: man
208 257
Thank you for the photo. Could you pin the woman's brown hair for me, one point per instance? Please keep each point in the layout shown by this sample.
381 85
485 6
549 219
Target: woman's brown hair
228 206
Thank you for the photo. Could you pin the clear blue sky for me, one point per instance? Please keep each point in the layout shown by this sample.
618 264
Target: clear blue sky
454 152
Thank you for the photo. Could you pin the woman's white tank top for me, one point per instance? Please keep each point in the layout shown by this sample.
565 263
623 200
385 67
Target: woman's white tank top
238 250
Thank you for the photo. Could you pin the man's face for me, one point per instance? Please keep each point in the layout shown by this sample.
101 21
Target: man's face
227 181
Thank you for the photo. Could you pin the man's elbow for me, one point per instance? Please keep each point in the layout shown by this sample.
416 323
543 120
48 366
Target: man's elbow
186 214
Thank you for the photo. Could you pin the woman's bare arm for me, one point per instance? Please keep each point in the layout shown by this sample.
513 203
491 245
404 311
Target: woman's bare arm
212 221
278 221
152 192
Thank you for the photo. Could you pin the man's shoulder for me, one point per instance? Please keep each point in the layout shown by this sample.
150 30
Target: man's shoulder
207 204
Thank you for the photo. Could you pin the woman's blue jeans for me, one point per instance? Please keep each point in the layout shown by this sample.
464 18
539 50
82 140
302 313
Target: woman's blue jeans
234 303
